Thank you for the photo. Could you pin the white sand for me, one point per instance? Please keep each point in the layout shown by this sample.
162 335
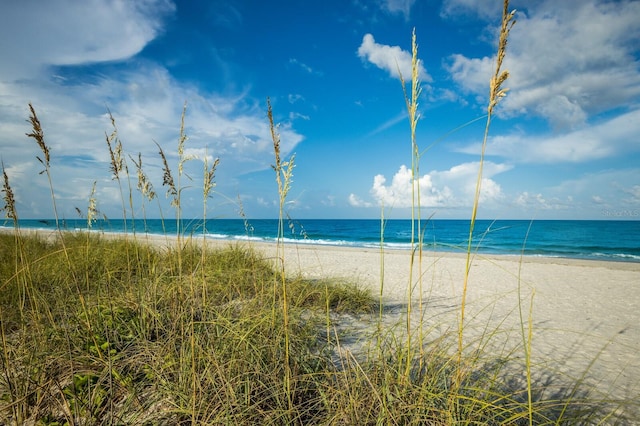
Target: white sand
585 314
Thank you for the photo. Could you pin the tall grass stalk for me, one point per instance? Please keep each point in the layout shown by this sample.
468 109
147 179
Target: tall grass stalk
146 189
382 277
496 92
208 184
411 100
284 174
117 167
175 190
9 207
37 134
10 212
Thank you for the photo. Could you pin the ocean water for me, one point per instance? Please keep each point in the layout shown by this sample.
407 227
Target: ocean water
602 239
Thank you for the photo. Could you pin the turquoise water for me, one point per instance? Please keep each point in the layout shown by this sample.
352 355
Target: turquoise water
604 240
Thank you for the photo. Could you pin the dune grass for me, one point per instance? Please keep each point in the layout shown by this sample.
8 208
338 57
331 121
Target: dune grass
98 329
125 339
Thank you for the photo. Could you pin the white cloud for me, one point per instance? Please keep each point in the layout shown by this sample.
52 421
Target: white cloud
449 188
482 8
146 102
66 32
296 115
144 98
535 202
390 59
616 136
356 201
590 196
398 6
304 66
293 98
567 60
633 193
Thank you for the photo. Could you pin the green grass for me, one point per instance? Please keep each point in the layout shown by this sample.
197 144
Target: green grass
121 339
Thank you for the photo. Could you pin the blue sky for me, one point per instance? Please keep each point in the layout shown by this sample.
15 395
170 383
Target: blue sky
565 142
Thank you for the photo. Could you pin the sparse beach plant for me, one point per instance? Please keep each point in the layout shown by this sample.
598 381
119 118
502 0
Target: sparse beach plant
146 189
9 207
208 184
496 92
284 174
92 208
411 100
118 166
37 134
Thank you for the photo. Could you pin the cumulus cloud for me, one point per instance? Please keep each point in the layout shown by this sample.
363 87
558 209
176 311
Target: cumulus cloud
448 188
356 201
390 59
568 61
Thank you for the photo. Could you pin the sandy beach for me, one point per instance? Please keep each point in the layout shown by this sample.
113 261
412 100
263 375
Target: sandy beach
584 314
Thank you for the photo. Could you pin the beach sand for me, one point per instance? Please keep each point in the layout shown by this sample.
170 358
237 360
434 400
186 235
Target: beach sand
584 314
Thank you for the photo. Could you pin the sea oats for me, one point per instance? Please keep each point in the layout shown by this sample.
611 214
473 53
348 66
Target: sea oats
209 176
38 135
9 199
167 179
115 150
144 185
496 92
248 228
92 210
274 136
181 140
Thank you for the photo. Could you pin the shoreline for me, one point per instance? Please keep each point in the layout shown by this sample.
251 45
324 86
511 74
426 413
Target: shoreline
547 258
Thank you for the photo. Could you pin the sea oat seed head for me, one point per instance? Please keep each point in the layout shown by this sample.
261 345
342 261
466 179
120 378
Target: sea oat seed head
9 199
38 135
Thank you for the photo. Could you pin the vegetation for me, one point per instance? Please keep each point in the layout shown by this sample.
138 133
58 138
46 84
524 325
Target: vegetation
103 330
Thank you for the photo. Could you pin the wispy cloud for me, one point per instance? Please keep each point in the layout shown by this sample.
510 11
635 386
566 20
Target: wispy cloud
614 137
482 8
306 68
398 6
388 124
59 32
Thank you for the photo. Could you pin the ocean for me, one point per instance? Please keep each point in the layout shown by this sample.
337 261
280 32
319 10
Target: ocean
580 239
